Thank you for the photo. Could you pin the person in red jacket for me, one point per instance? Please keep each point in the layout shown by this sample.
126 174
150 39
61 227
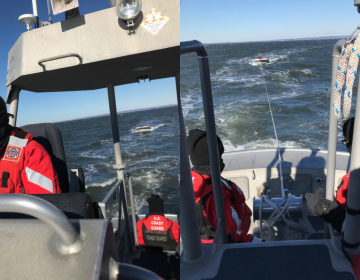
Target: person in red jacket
156 231
334 212
237 213
25 166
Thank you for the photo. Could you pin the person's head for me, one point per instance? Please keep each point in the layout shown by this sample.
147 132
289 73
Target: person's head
199 151
4 118
348 131
156 205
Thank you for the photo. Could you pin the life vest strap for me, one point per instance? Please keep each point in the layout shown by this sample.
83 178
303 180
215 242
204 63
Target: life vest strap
207 230
5 177
21 134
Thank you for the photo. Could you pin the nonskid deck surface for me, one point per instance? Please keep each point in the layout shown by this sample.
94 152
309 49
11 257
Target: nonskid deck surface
281 263
295 260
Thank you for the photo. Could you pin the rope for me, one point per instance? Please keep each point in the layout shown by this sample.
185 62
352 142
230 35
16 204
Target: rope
347 70
283 214
147 159
278 214
277 141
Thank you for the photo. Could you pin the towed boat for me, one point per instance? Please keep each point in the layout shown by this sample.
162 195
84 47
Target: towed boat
262 60
143 128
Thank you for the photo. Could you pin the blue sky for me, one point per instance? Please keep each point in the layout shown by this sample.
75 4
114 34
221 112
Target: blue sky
208 21
213 21
53 107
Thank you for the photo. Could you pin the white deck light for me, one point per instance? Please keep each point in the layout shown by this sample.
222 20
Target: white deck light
128 10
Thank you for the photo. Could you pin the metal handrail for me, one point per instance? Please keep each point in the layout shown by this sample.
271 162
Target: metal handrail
58 57
127 176
111 192
193 46
198 47
190 243
123 214
44 211
126 228
102 204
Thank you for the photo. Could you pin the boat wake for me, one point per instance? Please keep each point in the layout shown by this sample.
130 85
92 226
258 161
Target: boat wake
259 144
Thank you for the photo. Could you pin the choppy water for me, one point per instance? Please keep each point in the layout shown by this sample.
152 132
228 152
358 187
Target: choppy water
88 143
298 80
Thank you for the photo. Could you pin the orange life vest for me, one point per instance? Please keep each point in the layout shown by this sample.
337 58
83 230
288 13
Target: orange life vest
12 163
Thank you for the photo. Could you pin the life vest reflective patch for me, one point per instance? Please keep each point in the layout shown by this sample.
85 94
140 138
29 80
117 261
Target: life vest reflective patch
236 219
226 184
39 179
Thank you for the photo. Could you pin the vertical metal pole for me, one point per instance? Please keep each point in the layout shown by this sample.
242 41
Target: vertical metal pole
332 140
352 225
35 12
115 133
14 102
212 143
116 138
49 11
190 232
133 214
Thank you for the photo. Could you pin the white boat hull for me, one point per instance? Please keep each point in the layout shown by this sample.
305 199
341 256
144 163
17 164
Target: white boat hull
262 61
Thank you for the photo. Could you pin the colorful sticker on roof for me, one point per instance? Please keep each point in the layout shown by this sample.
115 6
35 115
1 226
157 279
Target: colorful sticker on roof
154 21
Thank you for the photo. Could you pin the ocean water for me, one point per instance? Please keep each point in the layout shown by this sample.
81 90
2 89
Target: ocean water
298 80
88 143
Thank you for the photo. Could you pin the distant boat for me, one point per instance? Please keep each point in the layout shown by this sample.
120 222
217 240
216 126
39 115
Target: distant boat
262 60
143 128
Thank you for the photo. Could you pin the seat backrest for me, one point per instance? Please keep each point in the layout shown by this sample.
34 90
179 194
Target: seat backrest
49 136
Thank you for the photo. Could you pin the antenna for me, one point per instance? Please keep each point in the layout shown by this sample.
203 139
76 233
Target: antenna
28 19
49 11
35 12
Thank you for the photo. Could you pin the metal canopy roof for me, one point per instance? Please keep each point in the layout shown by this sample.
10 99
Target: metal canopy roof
106 52
117 71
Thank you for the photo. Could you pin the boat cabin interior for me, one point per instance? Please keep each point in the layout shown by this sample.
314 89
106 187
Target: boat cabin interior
72 236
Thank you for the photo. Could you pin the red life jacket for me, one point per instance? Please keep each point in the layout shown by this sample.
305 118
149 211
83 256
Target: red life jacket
237 213
207 231
158 232
12 163
342 191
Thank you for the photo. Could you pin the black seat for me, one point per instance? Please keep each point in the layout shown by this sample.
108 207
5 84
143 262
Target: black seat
49 136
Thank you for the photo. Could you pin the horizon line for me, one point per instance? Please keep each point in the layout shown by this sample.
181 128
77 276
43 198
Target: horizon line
119 112
277 40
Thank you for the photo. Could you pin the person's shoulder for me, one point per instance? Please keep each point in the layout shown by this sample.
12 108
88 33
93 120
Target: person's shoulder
34 145
21 133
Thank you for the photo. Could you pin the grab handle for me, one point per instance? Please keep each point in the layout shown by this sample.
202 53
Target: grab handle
58 57
44 211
